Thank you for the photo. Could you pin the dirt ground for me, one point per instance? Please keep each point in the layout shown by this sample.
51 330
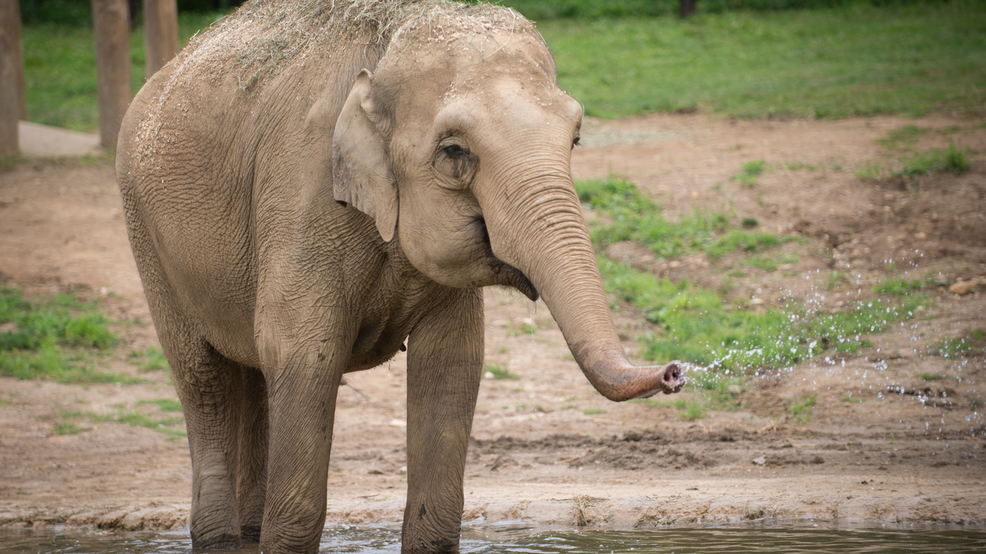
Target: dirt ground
881 445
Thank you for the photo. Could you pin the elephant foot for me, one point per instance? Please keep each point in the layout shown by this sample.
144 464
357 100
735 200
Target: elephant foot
217 542
250 533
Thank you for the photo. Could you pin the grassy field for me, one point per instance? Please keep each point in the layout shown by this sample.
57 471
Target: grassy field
820 63
60 70
854 60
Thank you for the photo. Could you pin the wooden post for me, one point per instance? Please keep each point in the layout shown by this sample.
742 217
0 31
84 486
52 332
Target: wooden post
12 107
687 8
160 32
112 27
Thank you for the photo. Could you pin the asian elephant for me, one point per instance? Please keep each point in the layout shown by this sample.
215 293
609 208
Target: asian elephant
312 183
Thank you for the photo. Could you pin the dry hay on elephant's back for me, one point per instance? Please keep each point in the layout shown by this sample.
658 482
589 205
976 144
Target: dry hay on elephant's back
263 37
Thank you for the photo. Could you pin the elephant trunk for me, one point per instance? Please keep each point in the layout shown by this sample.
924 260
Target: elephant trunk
555 253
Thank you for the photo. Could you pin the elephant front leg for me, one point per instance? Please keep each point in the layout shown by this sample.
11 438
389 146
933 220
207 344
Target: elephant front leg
301 404
445 359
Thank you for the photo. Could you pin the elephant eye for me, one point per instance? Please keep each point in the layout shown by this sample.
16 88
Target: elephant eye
455 151
576 141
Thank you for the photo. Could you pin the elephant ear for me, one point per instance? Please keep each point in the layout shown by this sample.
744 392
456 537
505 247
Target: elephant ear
361 174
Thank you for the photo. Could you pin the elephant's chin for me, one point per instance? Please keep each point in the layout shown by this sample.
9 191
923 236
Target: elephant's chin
509 276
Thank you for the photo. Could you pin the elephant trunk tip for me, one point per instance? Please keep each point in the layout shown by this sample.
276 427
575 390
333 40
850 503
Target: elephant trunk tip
630 382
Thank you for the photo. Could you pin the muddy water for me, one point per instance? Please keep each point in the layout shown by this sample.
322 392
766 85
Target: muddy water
519 538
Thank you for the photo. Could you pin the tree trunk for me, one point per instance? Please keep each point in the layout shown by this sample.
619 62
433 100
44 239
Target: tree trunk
12 106
161 32
112 28
687 8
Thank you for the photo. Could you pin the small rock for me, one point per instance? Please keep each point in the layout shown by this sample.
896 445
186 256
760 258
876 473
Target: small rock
762 460
489 375
963 287
883 468
756 301
920 236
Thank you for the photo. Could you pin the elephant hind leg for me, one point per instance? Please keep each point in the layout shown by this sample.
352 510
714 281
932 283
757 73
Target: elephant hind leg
211 391
252 478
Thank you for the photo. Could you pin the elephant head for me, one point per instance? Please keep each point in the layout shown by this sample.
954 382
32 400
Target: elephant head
459 144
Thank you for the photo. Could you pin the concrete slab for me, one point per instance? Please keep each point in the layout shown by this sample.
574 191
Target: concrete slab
42 140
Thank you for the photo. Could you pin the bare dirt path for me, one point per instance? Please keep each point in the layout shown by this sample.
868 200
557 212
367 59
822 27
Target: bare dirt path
546 447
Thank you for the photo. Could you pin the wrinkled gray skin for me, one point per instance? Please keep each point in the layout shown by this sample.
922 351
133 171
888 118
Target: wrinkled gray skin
298 221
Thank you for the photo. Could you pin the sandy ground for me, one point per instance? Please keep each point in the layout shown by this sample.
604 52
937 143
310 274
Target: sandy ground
881 444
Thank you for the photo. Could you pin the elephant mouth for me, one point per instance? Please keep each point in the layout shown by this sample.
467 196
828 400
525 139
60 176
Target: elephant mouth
504 273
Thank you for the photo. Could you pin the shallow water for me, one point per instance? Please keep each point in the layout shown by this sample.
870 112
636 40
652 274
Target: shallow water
521 538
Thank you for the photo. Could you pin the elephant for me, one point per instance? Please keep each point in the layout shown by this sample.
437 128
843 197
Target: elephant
312 186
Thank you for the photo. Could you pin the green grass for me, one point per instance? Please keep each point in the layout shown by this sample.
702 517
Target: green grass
60 69
854 60
696 324
68 428
689 409
164 404
750 172
149 359
858 60
938 160
931 377
803 409
172 426
951 348
57 338
902 138
499 371
632 215
899 286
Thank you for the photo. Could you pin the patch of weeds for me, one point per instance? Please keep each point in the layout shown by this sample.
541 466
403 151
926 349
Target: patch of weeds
697 326
795 165
771 263
899 286
801 410
749 222
891 439
499 371
593 411
750 172
975 402
834 279
853 399
56 337
68 428
871 171
933 161
164 404
149 359
742 239
527 327
930 377
903 137
689 409
632 216
172 426
950 348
